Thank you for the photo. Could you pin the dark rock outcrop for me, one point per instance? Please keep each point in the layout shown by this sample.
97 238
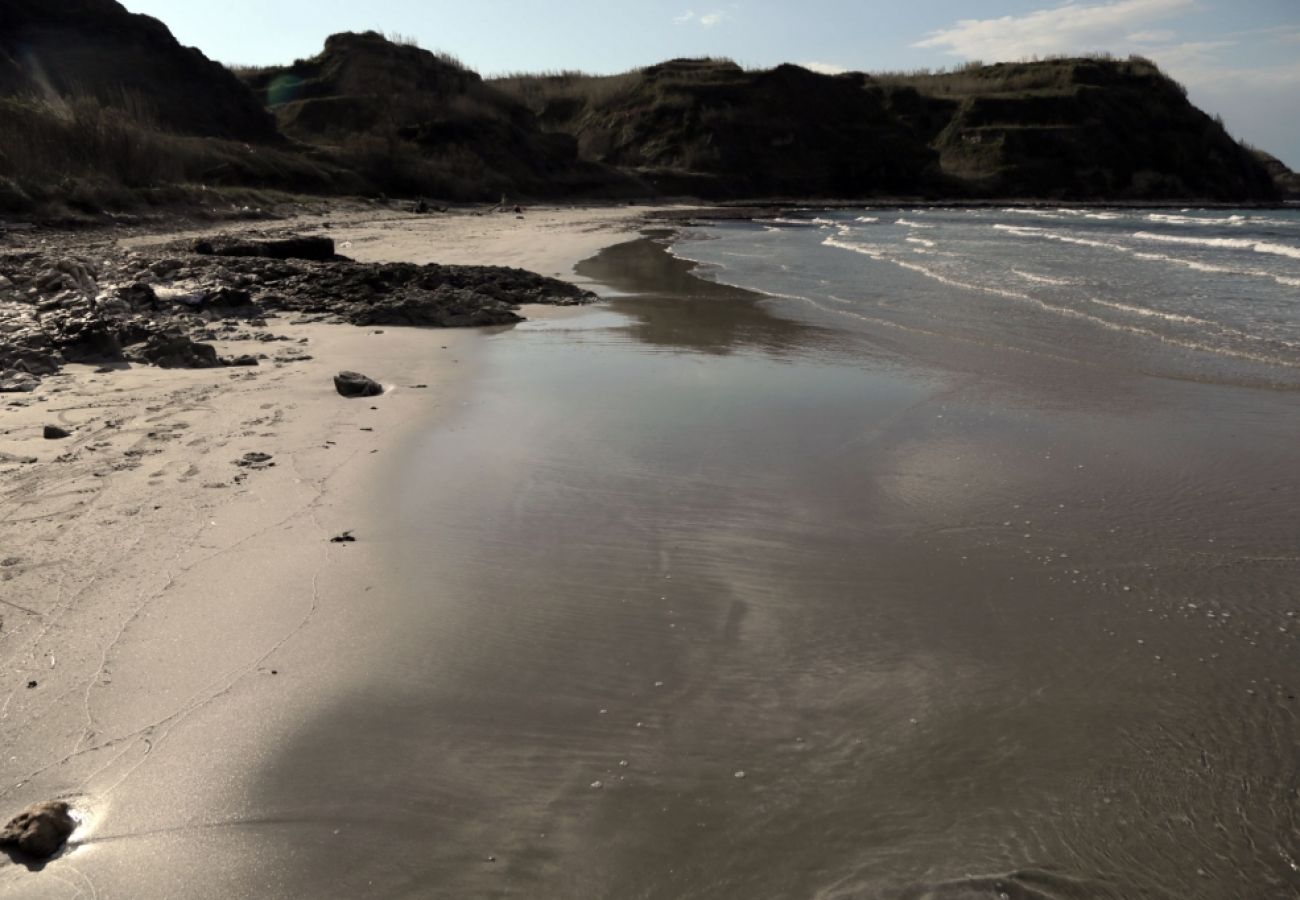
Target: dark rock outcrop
14 382
172 349
40 830
316 248
354 384
54 433
122 306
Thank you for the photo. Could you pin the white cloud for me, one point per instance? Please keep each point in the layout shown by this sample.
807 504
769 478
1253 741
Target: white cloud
1071 28
824 67
705 20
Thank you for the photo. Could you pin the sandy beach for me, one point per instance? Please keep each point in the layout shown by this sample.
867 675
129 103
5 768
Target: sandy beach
170 615
688 593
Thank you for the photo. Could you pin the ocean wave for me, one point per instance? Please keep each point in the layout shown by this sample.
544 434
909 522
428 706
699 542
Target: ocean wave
1199 266
867 220
922 241
1227 243
1033 231
875 252
1158 314
1070 312
1170 219
910 224
1042 279
1037 213
806 223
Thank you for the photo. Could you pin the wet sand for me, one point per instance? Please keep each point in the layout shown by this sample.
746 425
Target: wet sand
692 599
686 595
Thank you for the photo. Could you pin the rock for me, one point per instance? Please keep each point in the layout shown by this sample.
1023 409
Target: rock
354 384
173 350
315 248
255 460
242 360
13 381
344 538
54 433
40 830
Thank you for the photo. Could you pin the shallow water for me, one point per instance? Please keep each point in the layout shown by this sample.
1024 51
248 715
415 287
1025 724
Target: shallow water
701 598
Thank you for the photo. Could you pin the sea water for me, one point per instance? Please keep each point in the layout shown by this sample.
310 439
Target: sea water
1198 293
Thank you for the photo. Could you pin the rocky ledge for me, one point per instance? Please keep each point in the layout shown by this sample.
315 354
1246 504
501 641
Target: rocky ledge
159 308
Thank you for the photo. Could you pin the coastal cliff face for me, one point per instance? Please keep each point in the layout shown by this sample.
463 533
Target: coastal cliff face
1083 129
1075 129
103 109
713 129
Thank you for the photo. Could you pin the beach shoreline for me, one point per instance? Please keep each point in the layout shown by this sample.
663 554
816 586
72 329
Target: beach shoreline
163 589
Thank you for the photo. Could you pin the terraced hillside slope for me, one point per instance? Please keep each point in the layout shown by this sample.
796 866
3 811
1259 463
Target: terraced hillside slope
710 128
417 122
1083 129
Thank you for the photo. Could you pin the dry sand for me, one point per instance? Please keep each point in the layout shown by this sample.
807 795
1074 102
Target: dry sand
168 616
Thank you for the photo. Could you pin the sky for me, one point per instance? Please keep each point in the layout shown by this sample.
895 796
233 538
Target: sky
1239 59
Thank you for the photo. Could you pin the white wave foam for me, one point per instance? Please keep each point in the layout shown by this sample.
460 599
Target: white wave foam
1037 213
922 241
1041 279
1080 314
910 224
1199 266
867 220
1156 314
865 249
1228 243
1196 220
1033 231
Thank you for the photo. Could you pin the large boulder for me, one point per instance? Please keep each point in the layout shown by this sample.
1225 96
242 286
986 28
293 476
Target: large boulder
320 249
172 349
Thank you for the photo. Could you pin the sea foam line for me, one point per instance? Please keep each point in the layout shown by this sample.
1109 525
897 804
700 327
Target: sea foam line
1079 314
1230 243
1041 279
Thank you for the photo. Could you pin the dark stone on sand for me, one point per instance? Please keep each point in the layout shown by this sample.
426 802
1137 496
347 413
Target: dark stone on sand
344 538
243 360
15 382
313 248
174 350
39 830
354 384
54 432
255 460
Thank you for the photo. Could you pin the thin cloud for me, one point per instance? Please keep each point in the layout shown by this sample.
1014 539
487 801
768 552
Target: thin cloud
705 20
1069 28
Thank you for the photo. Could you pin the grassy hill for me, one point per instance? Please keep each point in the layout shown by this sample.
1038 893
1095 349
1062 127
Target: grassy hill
1086 128
415 122
103 109
710 128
